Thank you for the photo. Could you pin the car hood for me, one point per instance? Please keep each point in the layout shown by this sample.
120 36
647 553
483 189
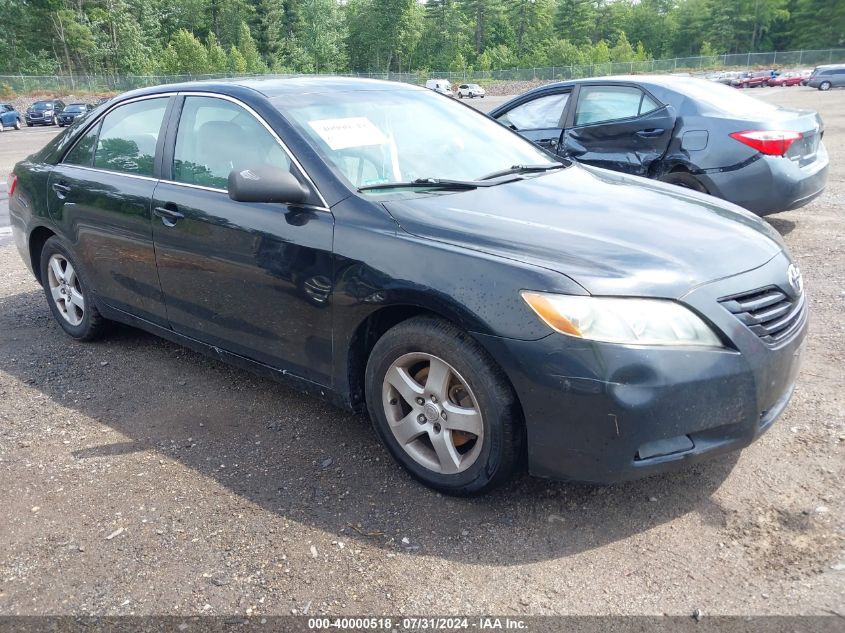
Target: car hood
612 233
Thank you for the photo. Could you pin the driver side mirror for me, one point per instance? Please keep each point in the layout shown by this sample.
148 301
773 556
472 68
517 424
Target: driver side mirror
265 184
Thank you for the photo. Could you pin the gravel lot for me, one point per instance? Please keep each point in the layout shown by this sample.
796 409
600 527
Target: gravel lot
140 478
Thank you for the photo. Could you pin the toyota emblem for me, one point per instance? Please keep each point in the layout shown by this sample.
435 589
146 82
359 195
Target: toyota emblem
793 274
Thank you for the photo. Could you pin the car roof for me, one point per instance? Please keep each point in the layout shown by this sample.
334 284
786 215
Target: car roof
671 82
275 86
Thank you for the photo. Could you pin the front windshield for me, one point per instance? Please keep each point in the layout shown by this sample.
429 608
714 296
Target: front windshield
42 105
384 136
74 108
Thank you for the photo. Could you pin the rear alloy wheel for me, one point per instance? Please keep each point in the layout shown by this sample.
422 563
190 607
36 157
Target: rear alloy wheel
67 294
684 179
825 85
442 408
17 124
2 127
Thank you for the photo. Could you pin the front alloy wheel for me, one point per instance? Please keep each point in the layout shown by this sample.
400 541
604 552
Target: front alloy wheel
432 413
443 408
825 85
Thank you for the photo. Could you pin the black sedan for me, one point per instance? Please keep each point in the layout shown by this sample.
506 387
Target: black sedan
400 253
689 132
71 112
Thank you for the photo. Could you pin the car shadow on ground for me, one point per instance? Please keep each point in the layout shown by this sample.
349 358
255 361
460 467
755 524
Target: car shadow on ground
782 225
309 462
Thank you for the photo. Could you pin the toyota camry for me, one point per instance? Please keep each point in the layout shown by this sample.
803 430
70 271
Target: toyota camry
485 302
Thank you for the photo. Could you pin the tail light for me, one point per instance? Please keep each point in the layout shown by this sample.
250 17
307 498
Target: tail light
769 142
13 181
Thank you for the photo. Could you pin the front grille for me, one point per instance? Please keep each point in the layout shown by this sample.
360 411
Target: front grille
770 313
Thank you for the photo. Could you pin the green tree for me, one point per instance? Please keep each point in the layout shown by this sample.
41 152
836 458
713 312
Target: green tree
622 51
218 62
185 55
249 51
237 62
575 21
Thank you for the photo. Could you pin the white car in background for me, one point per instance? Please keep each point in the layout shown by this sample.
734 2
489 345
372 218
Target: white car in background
471 91
439 85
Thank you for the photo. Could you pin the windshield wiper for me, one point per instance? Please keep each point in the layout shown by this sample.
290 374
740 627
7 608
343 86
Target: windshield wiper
433 183
522 169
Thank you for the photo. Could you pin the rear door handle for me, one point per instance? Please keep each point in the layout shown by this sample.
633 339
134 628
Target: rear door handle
169 217
652 133
61 190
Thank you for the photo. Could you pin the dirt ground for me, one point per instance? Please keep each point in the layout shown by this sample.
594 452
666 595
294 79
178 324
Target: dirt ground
137 477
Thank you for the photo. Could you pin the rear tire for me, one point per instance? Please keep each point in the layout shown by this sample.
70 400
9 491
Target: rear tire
17 124
68 293
467 435
825 85
684 179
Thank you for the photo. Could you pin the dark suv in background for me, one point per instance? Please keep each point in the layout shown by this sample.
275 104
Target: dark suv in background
827 77
44 112
71 111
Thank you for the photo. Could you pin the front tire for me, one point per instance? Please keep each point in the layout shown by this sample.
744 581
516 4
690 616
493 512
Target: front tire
55 120
68 293
442 408
825 85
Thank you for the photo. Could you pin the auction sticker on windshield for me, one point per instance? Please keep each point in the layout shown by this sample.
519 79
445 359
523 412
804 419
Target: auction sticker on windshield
348 132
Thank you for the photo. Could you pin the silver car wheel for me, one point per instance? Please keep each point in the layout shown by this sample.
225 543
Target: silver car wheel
432 413
65 289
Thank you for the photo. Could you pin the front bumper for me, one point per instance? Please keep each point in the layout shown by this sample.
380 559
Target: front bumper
772 183
39 120
605 413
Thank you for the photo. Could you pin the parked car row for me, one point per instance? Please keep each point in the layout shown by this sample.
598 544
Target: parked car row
487 301
822 77
45 112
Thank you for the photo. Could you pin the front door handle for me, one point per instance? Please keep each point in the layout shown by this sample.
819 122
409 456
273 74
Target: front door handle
652 133
169 217
61 190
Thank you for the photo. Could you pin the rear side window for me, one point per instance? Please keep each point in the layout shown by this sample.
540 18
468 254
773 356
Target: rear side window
128 137
216 136
540 114
597 104
82 153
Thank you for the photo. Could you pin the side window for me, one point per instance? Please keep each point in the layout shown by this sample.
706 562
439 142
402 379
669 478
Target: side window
539 114
128 137
216 136
82 153
597 104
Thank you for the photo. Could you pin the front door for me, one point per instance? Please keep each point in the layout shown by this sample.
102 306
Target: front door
540 120
252 278
101 192
618 127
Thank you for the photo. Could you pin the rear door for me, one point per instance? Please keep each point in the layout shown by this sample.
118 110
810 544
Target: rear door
100 193
619 127
540 119
251 278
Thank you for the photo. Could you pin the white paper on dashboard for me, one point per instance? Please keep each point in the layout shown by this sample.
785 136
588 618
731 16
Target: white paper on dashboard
349 132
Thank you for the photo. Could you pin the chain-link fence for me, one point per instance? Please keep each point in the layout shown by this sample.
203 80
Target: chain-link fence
23 84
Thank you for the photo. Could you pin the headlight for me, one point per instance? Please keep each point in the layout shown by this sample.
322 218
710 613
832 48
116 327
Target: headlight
629 321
